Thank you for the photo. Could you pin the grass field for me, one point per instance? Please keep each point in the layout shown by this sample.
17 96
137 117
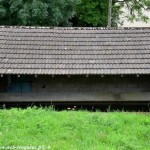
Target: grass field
74 130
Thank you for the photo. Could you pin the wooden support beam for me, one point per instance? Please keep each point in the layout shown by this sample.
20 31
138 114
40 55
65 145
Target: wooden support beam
9 79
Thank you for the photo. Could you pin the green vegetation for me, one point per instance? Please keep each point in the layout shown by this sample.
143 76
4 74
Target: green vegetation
95 12
69 12
78 130
91 13
37 12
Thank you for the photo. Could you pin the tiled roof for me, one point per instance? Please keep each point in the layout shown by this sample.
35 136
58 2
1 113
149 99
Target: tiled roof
45 50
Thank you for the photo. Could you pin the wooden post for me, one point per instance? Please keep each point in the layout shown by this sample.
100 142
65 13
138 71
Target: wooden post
109 13
9 80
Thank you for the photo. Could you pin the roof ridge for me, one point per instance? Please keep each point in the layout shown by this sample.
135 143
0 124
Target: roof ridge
76 28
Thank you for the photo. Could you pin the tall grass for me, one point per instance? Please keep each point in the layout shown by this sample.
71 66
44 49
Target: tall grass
77 130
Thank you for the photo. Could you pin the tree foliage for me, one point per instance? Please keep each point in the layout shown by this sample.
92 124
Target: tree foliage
95 12
69 12
91 13
37 12
135 9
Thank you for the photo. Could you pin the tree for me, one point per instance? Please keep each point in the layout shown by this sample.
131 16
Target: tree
135 9
95 12
91 13
68 12
37 12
